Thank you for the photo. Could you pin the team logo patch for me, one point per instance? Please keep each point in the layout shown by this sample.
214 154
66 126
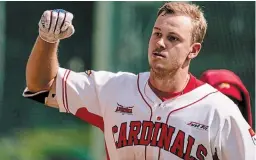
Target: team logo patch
88 72
124 110
198 126
253 135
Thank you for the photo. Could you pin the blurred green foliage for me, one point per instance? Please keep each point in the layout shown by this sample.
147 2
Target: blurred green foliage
46 144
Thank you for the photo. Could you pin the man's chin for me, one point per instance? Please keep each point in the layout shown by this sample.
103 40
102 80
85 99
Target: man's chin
160 71
158 67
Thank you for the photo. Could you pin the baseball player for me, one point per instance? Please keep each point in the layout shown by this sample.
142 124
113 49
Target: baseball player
231 85
162 114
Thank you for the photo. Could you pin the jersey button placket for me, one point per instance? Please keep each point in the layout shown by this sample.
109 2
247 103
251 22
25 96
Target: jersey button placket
162 113
158 112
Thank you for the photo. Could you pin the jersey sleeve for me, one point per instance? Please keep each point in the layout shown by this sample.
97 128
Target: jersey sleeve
235 139
77 93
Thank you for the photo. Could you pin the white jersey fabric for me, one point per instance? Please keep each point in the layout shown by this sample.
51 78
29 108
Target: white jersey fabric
202 124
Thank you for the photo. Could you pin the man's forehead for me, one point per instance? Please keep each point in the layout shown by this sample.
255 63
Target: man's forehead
176 21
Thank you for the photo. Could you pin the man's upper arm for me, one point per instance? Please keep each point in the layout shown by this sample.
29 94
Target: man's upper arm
72 91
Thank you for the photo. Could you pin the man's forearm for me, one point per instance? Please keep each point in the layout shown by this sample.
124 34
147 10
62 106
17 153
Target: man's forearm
42 65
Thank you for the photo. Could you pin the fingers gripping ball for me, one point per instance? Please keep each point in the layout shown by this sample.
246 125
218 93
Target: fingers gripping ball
56 25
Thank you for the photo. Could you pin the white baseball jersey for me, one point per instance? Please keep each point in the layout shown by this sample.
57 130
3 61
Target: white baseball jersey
201 124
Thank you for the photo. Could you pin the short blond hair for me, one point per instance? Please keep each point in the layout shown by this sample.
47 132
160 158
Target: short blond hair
191 10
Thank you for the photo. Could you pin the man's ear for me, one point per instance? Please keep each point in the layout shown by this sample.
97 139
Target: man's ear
195 49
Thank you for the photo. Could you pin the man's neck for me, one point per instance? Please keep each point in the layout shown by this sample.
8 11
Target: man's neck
172 83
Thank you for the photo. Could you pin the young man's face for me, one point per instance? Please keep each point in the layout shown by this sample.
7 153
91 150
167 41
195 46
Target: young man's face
171 43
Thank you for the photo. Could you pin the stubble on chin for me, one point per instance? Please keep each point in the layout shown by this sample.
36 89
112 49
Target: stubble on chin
160 74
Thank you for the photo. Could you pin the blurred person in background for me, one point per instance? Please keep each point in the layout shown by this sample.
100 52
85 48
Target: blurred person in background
165 113
231 85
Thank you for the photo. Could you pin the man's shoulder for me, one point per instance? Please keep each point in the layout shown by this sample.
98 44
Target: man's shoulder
220 102
129 76
104 75
116 79
212 97
217 98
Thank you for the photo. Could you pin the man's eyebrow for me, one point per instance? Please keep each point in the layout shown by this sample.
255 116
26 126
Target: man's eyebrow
157 28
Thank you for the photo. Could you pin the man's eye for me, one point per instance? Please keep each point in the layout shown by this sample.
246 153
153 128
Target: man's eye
172 38
157 34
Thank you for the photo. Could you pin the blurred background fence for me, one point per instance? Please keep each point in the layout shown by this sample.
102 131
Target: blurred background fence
109 36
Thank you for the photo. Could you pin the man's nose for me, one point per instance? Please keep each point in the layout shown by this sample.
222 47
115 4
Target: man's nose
160 43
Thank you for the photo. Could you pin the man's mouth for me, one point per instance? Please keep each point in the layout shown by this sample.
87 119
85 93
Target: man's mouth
157 54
